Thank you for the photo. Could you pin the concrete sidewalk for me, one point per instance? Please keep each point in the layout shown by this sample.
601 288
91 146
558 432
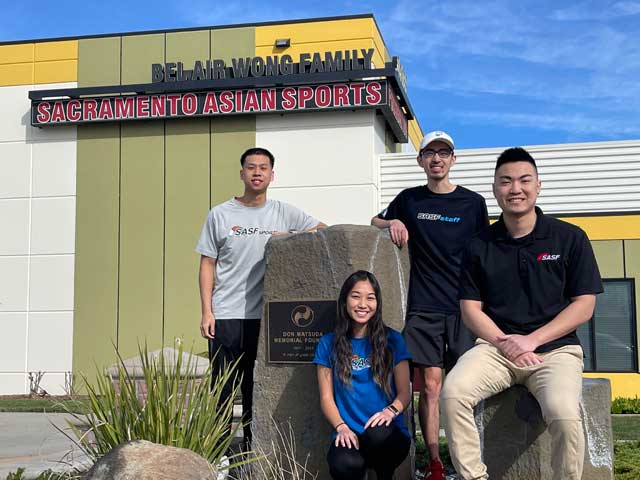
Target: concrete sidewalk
30 440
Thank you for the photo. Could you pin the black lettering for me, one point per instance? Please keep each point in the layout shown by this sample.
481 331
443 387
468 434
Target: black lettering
355 61
219 70
271 68
333 63
198 71
304 62
180 73
157 73
286 65
316 64
170 72
241 67
257 67
367 56
347 60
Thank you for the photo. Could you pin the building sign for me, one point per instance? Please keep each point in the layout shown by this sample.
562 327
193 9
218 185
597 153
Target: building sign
295 328
274 65
334 80
198 104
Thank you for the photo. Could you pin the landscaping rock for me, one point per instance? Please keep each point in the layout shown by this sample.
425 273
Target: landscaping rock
142 460
517 446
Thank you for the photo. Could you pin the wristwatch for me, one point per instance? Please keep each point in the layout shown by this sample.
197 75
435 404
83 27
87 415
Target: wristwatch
393 408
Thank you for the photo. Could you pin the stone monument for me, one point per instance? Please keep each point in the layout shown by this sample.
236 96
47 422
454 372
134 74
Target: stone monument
517 446
302 281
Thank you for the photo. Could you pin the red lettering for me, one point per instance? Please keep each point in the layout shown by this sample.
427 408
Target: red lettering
90 110
210 104
323 96
374 94
251 101
268 99
106 111
226 102
73 111
43 112
173 104
289 98
123 107
305 94
142 104
239 101
57 114
356 88
158 106
189 104
340 95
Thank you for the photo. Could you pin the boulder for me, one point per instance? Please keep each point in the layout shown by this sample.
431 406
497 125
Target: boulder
142 460
517 446
313 266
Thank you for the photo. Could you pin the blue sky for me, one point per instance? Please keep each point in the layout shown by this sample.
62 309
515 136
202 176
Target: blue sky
491 73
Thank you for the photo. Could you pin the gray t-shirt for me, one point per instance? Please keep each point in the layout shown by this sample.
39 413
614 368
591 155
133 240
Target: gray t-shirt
236 236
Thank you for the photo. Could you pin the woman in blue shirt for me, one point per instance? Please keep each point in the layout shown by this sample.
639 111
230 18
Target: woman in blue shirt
363 375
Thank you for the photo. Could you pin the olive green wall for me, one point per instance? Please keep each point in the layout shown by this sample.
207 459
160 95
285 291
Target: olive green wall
143 192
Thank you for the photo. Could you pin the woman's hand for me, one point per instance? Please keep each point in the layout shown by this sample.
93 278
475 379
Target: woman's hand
346 437
383 417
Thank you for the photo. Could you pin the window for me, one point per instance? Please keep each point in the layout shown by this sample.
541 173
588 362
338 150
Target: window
609 339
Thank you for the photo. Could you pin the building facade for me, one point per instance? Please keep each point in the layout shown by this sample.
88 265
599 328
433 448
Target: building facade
102 212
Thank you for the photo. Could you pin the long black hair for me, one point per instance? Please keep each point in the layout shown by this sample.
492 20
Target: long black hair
381 356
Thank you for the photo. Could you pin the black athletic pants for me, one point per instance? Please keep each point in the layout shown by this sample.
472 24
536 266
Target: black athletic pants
235 338
381 448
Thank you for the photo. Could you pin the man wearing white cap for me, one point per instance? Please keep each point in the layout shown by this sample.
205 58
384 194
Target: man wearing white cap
436 220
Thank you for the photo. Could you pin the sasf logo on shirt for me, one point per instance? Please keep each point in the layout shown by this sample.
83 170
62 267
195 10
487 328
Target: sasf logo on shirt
237 231
435 217
547 257
359 363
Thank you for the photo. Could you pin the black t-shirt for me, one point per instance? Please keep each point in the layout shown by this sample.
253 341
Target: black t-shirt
524 283
440 225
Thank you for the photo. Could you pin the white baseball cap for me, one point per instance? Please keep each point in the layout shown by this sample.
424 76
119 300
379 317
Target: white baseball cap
436 135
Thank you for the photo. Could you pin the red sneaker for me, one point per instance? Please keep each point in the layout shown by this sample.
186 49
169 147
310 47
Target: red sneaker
435 471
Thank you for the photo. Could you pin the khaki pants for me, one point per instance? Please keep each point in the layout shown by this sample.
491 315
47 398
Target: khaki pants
483 372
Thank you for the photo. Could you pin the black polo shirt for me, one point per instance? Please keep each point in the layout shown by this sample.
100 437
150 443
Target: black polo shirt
440 225
525 282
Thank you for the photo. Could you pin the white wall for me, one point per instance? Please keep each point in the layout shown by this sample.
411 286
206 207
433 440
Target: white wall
37 245
326 162
576 177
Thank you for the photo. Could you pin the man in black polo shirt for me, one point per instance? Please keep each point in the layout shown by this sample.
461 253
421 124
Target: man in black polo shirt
437 220
527 283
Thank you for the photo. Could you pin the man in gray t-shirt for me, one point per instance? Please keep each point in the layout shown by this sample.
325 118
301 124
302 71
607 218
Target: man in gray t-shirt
232 268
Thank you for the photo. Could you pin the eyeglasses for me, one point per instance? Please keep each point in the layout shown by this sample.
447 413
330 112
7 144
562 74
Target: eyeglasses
442 153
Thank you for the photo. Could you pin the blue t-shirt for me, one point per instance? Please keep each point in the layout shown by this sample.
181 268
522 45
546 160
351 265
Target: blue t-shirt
359 401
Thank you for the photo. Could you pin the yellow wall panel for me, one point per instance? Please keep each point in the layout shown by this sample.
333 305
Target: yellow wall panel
609 257
50 51
316 31
622 384
415 133
321 37
58 71
620 227
21 53
16 74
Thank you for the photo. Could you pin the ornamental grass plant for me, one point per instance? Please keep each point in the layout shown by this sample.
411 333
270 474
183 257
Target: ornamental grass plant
174 407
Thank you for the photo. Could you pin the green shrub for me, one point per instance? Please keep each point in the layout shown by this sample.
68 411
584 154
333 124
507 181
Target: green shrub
177 413
626 405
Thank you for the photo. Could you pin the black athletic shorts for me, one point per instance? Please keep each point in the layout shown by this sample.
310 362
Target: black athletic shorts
436 339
